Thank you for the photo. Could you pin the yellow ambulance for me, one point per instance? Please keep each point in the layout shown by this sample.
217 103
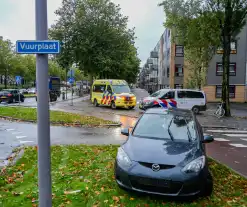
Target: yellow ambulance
113 93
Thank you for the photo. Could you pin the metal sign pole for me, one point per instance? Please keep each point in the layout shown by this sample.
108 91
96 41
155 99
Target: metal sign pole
44 165
72 94
19 94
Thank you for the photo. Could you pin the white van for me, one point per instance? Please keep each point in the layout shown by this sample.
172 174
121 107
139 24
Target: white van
176 98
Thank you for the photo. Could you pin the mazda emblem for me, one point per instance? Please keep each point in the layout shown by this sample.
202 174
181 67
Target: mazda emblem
155 167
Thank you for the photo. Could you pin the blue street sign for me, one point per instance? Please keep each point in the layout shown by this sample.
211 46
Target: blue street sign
71 80
38 47
18 80
71 73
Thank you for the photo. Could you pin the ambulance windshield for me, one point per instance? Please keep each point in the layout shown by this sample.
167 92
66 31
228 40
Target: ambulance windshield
121 89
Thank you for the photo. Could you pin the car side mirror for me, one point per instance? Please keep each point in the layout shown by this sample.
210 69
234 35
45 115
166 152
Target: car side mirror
125 131
208 138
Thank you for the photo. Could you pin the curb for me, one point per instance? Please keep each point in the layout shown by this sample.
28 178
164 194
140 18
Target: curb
231 169
16 156
62 123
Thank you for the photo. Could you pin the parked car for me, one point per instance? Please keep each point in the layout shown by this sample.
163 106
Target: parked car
11 96
31 91
194 100
165 154
23 91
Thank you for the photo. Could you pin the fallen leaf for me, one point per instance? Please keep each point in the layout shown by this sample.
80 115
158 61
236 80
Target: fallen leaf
115 198
132 199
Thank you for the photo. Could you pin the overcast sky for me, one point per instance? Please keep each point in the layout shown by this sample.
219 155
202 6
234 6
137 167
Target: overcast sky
17 20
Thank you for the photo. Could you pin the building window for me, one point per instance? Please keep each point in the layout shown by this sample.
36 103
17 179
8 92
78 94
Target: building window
168 72
179 71
233 48
178 86
179 52
231 91
232 69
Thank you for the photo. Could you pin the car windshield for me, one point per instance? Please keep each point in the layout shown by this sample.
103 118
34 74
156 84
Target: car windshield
170 125
121 89
159 93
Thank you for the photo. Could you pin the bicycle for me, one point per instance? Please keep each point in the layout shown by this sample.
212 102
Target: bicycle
220 111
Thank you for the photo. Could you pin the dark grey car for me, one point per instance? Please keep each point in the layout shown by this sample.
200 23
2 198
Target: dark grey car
165 154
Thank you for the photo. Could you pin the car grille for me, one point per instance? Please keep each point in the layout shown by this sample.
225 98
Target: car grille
162 167
155 185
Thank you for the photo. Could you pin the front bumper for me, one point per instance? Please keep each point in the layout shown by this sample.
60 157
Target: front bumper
168 182
125 104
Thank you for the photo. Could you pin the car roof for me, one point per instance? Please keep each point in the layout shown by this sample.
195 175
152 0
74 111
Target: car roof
173 89
182 112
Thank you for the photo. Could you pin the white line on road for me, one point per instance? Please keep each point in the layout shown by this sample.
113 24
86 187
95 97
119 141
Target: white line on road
238 145
10 130
236 135
221 140
16 133
20 137
243 139
226 131
22 142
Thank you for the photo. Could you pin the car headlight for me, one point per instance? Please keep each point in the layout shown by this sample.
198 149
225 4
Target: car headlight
195 166
123 159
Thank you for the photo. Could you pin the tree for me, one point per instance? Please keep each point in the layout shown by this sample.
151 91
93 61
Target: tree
99 41
197 32
5 56
231 17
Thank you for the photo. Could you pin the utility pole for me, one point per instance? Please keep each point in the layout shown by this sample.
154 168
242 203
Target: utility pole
44 160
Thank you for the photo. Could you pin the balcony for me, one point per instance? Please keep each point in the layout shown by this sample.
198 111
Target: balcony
154 54
149 61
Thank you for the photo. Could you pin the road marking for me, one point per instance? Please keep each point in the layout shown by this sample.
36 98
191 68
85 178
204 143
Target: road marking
243 139
221 140
226 131
20 137
16 133
238 145
10 130
22 142
236 135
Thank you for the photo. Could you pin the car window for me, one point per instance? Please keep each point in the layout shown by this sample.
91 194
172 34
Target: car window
168 95
194 94
182 127
121 89
4 93
155 94
99 88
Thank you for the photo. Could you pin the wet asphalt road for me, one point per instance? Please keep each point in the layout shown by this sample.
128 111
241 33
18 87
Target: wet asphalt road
16 134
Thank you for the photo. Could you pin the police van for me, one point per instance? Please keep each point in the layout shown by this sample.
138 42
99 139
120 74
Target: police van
194 100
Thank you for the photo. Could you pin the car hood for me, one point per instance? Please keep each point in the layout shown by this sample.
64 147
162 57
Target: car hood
161 151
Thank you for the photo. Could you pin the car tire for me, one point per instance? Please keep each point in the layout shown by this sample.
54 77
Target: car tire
13 100
22 100
113 105
131 107
95 103
196 110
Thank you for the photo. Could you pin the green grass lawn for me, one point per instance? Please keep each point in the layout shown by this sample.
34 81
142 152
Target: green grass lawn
29 95
82 176
58 117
